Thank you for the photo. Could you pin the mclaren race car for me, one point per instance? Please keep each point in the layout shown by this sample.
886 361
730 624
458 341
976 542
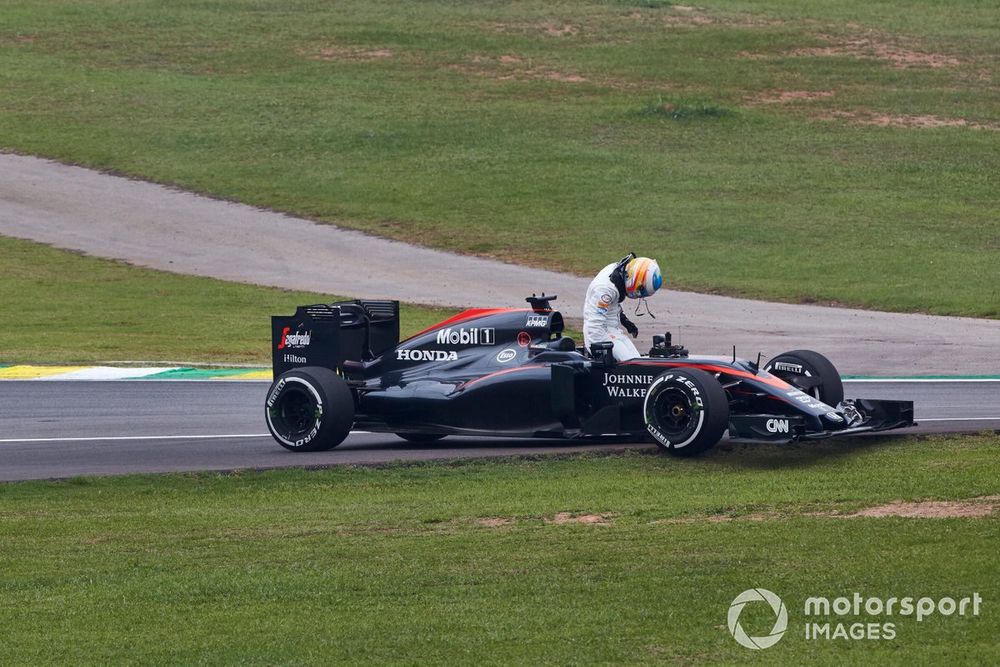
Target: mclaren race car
512 373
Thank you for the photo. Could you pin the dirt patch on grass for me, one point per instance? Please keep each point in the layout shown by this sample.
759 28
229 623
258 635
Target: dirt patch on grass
563 518
932 509
17 40
721 518
560 519
755 516
900 120
689 16
870 45
980 507
873 47
567 78
509 67
551 29
331 53
790 96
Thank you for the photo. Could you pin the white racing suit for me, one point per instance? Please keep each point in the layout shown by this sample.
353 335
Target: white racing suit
601 312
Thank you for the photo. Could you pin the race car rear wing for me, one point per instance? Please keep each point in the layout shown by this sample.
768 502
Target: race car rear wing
328 335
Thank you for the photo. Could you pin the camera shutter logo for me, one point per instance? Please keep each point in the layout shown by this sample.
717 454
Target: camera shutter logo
777 606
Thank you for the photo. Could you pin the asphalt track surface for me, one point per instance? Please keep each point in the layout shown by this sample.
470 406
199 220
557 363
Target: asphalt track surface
159 227
68 429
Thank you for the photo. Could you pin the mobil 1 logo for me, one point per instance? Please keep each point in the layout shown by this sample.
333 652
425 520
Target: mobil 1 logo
467 336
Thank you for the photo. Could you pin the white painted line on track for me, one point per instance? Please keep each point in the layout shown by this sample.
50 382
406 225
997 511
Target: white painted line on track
105 373
919 380
956 419
8 441
136 437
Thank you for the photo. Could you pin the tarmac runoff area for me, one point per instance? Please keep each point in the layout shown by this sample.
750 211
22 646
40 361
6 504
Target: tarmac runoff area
155 226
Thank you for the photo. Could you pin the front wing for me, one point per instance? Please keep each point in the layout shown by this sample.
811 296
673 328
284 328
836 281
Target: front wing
862 415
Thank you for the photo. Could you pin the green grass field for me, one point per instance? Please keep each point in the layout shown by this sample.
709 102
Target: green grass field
741 143
478 563
63 307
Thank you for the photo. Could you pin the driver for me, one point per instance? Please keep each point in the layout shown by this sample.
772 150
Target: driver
632 277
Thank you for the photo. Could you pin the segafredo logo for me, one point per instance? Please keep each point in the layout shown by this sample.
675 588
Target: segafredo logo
780 621
426 355
463 336
293 340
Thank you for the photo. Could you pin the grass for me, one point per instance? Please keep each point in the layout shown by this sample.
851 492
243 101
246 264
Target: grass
476 126
681 110
61 307
395 564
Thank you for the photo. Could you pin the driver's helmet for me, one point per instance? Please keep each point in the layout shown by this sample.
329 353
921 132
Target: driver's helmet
642 278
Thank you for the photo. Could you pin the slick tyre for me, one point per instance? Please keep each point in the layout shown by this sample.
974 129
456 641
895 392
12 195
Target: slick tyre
309 409
686 411
811 372
421 438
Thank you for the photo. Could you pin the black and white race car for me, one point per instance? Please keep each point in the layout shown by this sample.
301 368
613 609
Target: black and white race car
512 373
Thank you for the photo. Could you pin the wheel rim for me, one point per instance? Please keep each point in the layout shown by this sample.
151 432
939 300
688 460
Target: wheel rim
675 413
295 412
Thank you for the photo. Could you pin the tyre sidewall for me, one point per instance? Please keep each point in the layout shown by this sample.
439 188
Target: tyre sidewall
810 364
705 395
653 423
325 389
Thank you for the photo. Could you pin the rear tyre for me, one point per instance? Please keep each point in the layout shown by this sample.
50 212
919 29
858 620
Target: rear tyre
811 372
309 409
421 437
686 411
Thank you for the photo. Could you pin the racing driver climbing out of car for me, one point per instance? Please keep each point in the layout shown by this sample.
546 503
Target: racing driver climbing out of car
632 277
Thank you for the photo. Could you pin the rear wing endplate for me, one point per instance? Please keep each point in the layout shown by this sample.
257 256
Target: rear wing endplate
327 335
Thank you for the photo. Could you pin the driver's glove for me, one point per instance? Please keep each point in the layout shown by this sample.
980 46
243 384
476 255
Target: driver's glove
629 325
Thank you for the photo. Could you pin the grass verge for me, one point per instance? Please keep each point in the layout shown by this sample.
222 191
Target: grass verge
61 307
806 151
490 562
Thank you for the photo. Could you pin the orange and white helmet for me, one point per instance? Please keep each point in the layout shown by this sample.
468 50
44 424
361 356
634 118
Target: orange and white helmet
642 278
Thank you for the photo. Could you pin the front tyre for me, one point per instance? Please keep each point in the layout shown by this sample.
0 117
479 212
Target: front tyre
309 409
809 372
686 411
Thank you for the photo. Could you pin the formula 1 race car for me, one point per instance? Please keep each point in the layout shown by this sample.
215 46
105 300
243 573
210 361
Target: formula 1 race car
512 373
